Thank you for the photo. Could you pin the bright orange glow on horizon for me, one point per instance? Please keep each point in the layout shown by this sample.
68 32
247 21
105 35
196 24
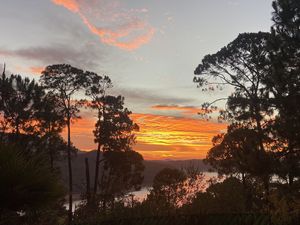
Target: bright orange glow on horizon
36 69
160 137
170 137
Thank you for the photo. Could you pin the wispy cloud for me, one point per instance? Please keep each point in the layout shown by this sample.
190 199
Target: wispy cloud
187 110
114 25
82 56
151 97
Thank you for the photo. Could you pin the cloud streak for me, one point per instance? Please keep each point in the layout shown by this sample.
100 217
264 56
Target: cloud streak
150 96
169 130
159 136
84 56
124 29
187 110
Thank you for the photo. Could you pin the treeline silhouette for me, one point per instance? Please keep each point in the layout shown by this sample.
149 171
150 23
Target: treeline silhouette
204 219
33 116
258 158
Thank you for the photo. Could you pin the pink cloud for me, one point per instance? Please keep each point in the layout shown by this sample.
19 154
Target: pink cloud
36 69
33 70
120 28
71 5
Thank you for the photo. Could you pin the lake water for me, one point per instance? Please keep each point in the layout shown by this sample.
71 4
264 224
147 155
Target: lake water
142 194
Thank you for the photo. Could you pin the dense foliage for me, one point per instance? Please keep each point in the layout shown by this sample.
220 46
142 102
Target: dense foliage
261 147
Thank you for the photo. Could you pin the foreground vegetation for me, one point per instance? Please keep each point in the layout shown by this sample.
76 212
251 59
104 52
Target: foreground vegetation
258 158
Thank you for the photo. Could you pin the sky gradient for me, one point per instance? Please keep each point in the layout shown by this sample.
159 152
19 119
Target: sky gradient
149 48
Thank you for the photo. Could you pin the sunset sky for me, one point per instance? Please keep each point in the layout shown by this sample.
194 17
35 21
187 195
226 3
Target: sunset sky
149 48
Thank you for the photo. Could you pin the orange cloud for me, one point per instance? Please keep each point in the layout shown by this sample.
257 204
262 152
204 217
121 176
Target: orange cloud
159 137
175 131
185 109
36 69
71 5
137 42
127 32
158 152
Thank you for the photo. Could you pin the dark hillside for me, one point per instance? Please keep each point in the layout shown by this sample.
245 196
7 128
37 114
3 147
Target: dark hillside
152 167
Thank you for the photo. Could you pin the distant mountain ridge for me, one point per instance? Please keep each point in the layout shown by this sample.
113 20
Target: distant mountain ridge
152 167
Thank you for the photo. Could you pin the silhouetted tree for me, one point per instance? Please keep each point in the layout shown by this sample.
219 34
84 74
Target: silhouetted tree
5 91
50 114
27 185
122 172
97 91
283 82
243 65
66 81
19 102
224 197
114 130
167 192
237 153
50 122
55 147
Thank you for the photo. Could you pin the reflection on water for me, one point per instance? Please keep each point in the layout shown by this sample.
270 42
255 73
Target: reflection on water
138 195
142 194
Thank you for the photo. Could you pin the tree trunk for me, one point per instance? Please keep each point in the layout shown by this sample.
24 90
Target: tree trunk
2 133
103 193
51 159
292 163
248 194
70 171
97 170
266 175
87 174
17 129
266 183
100 113
50 149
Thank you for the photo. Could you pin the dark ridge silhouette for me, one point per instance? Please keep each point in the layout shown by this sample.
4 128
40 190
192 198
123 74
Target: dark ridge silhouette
152 167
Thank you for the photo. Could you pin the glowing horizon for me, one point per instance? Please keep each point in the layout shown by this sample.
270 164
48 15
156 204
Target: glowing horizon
160 137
